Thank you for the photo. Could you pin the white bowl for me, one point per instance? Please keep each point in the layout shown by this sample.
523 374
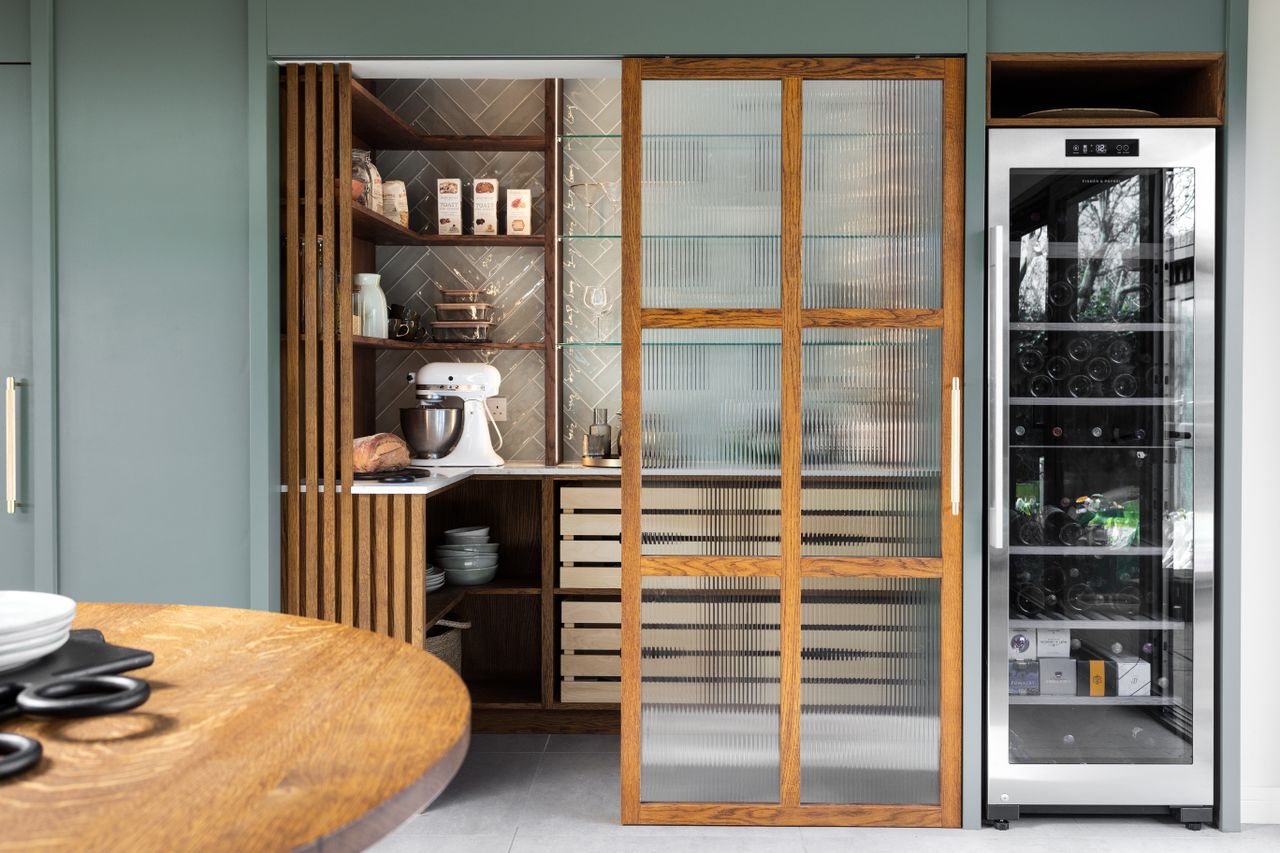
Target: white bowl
478 561
471 577
39 631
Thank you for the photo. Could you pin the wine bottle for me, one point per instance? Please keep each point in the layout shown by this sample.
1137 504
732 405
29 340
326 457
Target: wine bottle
1040 386
1028 600
1080 349
1028 530
1031 359
1119 350
1124 385
1098 369
1080 386
1058 368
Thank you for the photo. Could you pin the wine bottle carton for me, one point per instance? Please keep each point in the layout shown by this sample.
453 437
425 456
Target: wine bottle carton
1133 677
519 212
1058 676
1053 642
1022 645
1095 678
484 206
1024 678
448 206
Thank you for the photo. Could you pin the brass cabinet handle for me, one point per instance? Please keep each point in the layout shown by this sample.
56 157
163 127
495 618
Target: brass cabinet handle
955 445
11 444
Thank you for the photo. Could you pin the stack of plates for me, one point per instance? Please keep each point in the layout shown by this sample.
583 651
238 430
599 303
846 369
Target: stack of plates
32 625
467 556
435 578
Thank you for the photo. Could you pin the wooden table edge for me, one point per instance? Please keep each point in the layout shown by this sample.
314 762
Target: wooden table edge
381 821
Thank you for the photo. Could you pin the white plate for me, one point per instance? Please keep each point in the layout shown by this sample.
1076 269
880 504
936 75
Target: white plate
7 645
38 631
14 660
21 610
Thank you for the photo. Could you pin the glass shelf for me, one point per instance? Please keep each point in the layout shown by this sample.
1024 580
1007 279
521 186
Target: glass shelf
760 237
1094 700
1092 401
863 135
1094 327
1088 550
1085 623
590 343
590 236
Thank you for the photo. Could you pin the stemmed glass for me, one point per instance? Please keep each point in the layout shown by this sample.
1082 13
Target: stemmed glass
596 299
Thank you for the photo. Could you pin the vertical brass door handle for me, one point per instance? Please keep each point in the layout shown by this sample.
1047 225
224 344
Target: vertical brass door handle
955 445
11 444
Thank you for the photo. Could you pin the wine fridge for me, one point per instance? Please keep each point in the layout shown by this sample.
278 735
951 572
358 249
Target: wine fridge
1100 480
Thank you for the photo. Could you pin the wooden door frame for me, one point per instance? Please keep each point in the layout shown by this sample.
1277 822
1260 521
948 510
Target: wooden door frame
791 318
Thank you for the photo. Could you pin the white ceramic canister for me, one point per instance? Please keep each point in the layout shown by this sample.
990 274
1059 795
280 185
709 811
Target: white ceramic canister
373 305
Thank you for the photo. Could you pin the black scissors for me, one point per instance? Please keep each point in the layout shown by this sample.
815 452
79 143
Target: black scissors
81 679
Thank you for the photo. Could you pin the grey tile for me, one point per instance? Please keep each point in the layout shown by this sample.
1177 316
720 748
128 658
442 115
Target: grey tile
491 742
401 842
486 796
584 743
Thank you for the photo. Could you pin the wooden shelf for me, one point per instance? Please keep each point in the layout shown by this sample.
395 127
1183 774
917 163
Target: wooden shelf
378 126
441 601
503 693
503 587
381 231
1183 89
391 343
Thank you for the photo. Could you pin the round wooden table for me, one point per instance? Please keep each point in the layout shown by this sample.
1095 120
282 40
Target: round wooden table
263 732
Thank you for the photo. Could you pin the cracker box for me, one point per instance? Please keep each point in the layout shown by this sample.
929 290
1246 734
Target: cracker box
448 206
520 212
484 206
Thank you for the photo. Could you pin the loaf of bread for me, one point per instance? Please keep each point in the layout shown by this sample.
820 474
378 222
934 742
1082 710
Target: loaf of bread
382 452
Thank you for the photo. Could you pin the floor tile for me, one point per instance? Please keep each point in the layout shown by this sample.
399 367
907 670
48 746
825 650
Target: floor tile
489 742
584 743
747 840
486 797
399 842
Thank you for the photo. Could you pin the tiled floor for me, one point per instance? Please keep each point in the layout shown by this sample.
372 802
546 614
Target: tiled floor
559 793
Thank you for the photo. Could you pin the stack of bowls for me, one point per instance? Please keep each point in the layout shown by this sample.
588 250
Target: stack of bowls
467 556
32 625
435 579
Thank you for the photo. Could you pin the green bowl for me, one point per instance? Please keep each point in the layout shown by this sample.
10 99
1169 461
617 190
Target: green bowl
470 577
479 561
475 548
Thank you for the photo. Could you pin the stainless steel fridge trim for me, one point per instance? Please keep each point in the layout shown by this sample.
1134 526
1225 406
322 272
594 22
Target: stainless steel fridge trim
1117 784
997 388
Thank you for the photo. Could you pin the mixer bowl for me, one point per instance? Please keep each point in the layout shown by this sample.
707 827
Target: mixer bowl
431 431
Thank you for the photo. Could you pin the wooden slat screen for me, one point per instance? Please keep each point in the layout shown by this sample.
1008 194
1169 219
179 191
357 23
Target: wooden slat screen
354 559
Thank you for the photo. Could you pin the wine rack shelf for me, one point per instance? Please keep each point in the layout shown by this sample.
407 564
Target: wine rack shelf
1091 401
1086 550
1085 623
1095 700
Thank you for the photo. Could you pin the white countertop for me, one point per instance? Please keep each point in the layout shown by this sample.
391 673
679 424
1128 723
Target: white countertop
440 478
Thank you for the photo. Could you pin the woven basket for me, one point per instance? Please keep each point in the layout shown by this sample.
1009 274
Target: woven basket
447 644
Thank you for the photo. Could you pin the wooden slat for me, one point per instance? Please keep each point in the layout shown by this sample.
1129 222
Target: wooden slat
311 352
750 814
591 551
381 560
602 612
291 425
399 568
807 67
346 396
696 566
591 577
631 283
710 318
872 567
872 317
417 570
789 699
364 561
551 355
607 639
547 576
600 666
590 691
328 354
951 661
590 524
586 497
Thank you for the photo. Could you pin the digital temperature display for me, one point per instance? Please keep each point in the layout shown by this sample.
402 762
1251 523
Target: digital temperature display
1102 148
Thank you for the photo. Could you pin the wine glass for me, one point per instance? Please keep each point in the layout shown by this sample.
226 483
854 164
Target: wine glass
596 298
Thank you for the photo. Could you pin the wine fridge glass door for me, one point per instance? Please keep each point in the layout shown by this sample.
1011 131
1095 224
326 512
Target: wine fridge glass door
1100 652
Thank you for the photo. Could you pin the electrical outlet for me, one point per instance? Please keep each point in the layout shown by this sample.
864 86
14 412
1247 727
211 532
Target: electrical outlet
497 408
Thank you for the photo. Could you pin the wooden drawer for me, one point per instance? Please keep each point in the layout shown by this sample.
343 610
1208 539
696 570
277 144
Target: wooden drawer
590 528
590 639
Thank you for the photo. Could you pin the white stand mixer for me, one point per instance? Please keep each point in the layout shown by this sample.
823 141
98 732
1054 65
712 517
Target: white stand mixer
473 383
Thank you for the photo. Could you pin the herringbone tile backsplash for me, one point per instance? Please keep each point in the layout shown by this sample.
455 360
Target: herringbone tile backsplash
513 276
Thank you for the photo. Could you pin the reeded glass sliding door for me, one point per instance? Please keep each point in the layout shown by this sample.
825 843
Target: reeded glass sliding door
791 529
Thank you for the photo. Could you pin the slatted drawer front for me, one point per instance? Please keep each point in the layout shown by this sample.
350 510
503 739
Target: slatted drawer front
590 639
590 527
